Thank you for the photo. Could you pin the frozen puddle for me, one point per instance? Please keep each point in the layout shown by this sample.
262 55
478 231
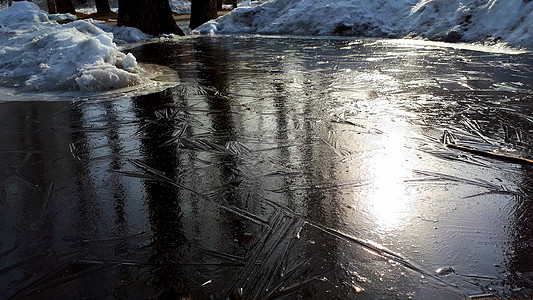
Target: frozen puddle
276 168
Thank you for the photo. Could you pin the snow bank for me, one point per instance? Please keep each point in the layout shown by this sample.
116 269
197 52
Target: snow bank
509 21
124 35
40 55
180 6
62 17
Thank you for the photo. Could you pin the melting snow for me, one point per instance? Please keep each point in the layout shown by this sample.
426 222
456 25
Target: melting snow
507 21
37 54
180 6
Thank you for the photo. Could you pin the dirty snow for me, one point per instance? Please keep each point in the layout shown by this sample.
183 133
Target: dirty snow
507 21
36 53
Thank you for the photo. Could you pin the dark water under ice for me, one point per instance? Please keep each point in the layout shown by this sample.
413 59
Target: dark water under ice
279 168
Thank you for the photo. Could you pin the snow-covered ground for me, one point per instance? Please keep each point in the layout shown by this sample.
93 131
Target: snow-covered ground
37 53
177 6
184 6
507 21
180 6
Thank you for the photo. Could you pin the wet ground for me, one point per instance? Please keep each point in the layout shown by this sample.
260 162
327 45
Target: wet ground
279 168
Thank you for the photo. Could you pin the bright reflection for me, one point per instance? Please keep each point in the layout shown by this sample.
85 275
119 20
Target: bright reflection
388 200
411 43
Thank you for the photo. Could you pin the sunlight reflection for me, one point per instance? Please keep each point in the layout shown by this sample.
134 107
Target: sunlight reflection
388 200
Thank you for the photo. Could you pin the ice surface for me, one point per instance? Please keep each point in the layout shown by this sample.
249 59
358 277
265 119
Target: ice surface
38 54
287 168
508 21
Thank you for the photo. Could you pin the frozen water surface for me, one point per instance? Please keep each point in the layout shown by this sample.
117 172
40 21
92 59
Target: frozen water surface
279 168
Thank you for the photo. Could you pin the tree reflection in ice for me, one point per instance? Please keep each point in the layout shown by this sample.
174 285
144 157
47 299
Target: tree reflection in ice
274 172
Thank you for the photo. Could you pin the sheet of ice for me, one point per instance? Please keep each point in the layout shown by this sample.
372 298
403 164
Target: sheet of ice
508 21
38 54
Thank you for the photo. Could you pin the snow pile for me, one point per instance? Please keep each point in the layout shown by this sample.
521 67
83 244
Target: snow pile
39 54
62 17
124 34
510 21
180 6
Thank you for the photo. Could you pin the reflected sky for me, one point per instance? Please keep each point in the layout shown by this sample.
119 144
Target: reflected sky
278 168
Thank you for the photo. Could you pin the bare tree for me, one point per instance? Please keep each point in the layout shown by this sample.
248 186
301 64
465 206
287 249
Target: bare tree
51 6
150 16
65 6
202 11
60 6
10 2
102 6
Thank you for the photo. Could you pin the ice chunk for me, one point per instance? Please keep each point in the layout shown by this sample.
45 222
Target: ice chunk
129 62
105 79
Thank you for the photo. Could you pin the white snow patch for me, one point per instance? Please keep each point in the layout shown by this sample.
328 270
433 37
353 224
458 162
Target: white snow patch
124 35
37 54
129 63
92 10
62 17
15 14
180 6
507 21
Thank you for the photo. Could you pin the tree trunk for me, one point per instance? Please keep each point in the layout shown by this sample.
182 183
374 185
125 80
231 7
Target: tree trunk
219 4
150 16
234 2
202 11
64 6
102 6
51 6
